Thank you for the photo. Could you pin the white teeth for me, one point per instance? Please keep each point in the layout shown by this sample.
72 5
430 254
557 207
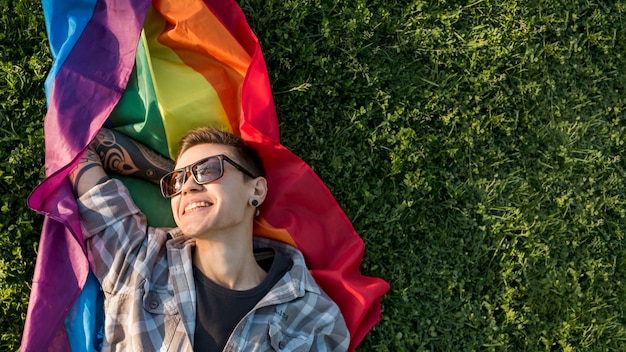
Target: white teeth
195 205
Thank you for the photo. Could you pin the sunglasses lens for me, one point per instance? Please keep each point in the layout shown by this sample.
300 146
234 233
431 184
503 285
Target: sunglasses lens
172 183
207 170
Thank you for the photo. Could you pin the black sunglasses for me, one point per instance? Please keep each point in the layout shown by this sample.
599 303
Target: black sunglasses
203 171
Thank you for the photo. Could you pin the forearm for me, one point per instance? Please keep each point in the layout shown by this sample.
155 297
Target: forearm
113 152
122 155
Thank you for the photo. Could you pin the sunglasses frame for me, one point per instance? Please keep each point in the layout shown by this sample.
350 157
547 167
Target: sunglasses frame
188 170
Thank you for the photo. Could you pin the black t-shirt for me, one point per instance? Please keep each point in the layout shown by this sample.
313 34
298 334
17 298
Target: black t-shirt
219 309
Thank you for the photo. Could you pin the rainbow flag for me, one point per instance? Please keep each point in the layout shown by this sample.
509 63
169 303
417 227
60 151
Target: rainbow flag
154 70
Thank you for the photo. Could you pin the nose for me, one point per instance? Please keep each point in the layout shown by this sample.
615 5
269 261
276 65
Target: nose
190 184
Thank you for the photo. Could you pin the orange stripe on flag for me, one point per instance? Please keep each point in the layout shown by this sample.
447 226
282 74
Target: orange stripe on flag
263 228
202 42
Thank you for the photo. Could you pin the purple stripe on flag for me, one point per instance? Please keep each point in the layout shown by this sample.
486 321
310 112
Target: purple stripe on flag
92 79
86 88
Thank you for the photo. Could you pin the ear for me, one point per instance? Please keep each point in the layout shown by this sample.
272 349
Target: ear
259 189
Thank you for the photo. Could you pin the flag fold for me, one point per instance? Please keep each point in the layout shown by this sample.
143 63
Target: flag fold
154 70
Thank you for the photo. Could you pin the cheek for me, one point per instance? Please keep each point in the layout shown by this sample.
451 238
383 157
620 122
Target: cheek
174 206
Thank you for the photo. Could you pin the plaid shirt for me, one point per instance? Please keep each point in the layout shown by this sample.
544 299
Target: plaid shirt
150 301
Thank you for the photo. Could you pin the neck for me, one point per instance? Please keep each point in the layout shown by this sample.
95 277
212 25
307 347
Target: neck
231 265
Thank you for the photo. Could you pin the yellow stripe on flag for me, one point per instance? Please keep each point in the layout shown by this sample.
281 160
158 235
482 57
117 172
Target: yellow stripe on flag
186 99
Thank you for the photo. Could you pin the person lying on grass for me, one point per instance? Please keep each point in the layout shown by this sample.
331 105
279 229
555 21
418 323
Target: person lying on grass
209 284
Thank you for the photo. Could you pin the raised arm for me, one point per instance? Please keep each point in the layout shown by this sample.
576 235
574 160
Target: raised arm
113 152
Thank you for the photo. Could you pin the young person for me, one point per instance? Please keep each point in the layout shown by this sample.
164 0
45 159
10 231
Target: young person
208 284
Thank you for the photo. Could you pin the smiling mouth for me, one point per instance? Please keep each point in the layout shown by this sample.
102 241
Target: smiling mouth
196 205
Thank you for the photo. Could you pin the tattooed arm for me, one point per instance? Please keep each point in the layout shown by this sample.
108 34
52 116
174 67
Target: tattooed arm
111 151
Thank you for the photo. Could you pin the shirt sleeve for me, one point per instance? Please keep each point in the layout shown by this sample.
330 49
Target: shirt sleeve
334 335
114 230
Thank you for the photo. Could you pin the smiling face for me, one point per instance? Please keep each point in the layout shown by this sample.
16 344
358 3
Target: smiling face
218 208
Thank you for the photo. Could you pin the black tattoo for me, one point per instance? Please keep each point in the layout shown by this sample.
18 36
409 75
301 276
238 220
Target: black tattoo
102 180
122 155
111 151
90 157
89 164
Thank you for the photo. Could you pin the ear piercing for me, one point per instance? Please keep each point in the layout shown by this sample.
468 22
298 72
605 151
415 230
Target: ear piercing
255 203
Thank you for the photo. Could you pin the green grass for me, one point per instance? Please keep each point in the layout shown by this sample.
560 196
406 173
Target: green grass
24 60
478 148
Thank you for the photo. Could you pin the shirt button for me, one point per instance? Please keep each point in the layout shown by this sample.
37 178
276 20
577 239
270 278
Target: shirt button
154 304
281 344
